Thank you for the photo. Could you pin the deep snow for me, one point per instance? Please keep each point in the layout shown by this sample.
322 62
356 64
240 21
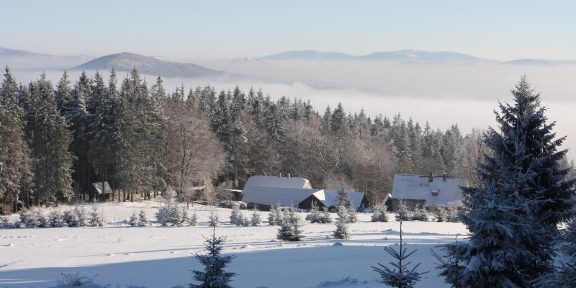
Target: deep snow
154 256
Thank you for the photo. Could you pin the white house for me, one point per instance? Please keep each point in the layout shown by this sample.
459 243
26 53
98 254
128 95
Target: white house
427 191
267 191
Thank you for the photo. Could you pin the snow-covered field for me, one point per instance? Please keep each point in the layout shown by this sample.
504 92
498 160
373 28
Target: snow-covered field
121 256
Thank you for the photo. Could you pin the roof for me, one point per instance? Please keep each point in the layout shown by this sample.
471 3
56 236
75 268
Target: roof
276 196
330 198
98 187
275 181
414 187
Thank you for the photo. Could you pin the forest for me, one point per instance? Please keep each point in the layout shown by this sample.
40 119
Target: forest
58 139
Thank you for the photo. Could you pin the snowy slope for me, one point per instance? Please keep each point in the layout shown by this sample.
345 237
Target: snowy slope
163 256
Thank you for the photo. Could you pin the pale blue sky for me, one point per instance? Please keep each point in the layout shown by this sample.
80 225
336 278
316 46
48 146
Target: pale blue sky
505 29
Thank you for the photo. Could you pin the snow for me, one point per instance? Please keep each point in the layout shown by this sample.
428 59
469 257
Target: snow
154 256
420 188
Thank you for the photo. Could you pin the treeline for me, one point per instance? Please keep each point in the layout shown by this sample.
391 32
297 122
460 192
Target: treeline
56 141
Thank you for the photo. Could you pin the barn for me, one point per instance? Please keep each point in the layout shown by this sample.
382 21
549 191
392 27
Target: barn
427 191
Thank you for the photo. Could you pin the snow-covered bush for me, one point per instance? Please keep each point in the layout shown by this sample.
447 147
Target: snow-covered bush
242 220
290 227
419 214
70 218
379 214
255 220
452 214
30 218
4 223
440 214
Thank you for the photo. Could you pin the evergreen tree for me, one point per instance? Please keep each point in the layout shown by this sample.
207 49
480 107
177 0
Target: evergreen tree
342 223
290 227
522 196
51 140
400 275
338 121
14 153
214 275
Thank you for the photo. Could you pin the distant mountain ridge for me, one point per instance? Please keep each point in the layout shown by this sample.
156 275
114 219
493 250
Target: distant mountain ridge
26 60
126 61
398 55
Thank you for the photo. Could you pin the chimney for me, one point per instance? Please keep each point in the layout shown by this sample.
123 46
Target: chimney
444 177
431 177
288 175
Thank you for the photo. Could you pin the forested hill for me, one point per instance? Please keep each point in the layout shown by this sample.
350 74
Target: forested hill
144 139
148 65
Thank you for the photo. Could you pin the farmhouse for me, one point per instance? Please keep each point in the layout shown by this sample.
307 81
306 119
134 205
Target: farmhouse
427 191
264 192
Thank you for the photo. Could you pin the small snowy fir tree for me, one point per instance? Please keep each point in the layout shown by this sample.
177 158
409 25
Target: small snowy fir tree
440 213
133 221
398 274
342 223
235 214
255 220
4 224
56 218
419 214
81 215
96 219
169 212
275 216
70 218
214 275
379 214
213 219
242 220
142 219
452 214
403 213
290 227
326 217
314 215
343 199
193 219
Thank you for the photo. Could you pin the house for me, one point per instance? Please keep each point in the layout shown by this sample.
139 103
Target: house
264 192
102 191
267 191
427 191
328 199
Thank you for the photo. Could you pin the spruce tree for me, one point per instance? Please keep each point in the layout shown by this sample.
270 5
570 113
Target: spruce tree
342 223
50 143
214 275
522 196
14 153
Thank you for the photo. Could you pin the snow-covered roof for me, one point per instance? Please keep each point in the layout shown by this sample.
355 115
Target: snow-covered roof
441 191
275 181
276 196
98 187
329 198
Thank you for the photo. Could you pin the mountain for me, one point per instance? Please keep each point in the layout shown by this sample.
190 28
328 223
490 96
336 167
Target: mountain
148 65
26 60
397 56
540 62
308 55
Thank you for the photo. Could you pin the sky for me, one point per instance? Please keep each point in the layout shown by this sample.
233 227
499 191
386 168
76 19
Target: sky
501 30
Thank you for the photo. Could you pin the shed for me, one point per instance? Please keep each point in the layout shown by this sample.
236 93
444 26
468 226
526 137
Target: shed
267 191
328 199
102 190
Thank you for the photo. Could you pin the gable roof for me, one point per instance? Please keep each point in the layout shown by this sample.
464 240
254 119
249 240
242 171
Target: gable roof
330 198
414 187
276 196
275 181
98 187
